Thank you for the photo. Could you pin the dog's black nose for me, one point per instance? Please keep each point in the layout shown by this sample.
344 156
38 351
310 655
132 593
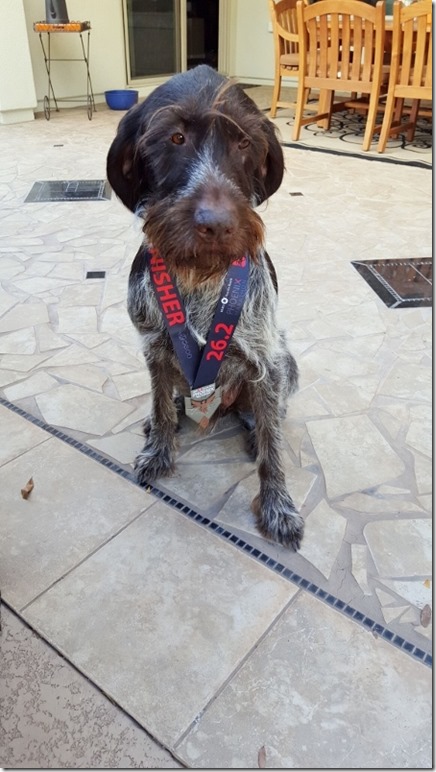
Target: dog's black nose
217 223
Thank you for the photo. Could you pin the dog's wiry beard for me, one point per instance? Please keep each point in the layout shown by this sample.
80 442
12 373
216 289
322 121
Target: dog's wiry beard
184 250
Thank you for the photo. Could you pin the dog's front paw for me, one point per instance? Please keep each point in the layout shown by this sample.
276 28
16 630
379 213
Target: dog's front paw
152 463
278 520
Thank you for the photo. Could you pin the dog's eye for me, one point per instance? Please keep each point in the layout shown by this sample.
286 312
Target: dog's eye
178 138
244 143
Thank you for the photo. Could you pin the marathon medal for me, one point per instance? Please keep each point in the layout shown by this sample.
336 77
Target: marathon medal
203 403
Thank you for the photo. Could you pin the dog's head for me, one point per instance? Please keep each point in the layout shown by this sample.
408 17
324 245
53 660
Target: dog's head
196 156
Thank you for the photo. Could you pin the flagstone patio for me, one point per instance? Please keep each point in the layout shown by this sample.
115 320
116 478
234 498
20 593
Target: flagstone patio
215 641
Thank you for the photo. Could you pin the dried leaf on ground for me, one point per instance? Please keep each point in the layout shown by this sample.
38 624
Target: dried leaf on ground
425 617
28 488
261 758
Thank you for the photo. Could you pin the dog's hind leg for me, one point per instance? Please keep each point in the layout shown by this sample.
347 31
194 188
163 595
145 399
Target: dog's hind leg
276 515
156 459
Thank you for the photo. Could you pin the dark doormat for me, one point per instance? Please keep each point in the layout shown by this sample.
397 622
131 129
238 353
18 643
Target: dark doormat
69 190
399 283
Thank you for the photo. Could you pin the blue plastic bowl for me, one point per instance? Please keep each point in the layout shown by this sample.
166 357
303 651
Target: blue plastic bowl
121 99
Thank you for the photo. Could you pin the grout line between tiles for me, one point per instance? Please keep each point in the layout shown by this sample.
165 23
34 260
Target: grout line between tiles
89 555
349 611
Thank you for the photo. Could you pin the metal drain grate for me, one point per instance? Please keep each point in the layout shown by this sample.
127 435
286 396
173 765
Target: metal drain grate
95 274
69 190
399 283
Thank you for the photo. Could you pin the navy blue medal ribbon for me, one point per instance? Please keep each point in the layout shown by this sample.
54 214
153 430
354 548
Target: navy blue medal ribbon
200 366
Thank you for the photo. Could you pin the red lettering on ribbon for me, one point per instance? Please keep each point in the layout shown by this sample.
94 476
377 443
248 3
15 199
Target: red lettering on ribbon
168 299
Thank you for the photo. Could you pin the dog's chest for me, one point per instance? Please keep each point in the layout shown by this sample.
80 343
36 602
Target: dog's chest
252 332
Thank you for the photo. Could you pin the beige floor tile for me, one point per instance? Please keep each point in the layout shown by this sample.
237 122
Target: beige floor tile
80 319
80 295
23 362
75 408
319 692
401 547
48 340
423 473
53 717
17 436
323 536
204 485
73 355
123 447
36 384
160 617
19 342
24 315
75 506
353 453
84 375
404 381
131 385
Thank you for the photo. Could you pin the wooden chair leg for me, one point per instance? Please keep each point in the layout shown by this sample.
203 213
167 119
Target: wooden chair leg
387 123
399 106
276 94
325 106
370 122
326 99
302 97
413 118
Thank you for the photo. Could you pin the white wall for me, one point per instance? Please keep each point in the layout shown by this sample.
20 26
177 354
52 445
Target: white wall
17 91
251 54
251 49
106 59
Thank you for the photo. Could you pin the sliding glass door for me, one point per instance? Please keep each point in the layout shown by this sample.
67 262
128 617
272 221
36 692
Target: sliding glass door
153 37
168 36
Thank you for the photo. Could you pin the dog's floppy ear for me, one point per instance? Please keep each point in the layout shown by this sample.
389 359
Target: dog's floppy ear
274 165
126 172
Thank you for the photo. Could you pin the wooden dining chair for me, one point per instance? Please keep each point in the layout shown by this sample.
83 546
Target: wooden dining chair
284 26
341 45
411 68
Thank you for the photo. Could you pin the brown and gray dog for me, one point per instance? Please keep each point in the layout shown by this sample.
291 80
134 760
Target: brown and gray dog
193 160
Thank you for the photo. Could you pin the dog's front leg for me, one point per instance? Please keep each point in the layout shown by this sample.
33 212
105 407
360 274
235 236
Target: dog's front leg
276 515
156 459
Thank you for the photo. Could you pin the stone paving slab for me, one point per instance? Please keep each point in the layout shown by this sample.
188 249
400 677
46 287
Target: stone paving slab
75 506
160 617
319 692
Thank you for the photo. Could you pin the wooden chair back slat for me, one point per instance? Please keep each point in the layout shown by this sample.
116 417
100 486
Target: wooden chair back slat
341 45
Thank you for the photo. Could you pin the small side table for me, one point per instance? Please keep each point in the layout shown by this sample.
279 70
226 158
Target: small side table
78 27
